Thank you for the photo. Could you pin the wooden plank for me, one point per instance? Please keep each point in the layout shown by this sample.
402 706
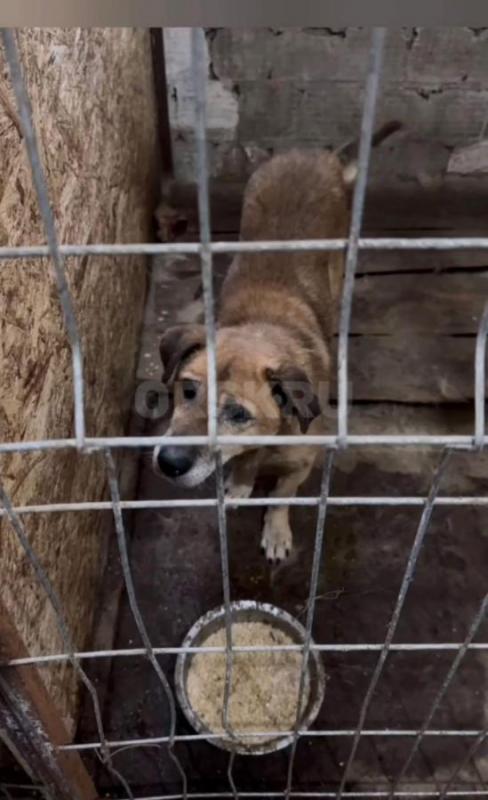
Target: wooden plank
370 261
426 369
385 304
452 206
419 304
421 261
33 725
455 207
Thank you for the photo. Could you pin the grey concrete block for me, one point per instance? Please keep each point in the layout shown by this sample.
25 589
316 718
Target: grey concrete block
305 54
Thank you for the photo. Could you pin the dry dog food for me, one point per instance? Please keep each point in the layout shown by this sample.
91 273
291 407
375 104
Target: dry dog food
265 685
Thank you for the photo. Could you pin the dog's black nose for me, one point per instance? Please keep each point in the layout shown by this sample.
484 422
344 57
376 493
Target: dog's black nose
175 461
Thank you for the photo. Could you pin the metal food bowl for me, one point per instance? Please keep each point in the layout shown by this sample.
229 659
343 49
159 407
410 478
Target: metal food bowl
249 611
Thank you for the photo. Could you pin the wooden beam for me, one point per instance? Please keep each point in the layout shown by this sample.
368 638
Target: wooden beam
32 725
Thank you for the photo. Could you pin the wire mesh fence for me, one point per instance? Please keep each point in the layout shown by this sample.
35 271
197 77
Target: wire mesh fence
18 517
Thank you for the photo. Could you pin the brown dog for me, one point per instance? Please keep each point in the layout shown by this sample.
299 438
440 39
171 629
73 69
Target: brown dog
278 314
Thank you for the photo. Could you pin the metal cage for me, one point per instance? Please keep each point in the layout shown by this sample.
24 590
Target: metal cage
446 444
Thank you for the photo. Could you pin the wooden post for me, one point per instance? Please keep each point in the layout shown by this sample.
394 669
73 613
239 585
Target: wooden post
32 725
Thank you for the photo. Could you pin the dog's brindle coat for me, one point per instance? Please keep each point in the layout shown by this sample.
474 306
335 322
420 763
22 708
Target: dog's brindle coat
278 313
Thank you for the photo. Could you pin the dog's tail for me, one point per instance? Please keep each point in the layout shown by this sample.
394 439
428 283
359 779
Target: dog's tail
348 153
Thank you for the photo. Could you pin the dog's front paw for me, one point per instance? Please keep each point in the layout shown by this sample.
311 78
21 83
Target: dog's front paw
277 539
235 490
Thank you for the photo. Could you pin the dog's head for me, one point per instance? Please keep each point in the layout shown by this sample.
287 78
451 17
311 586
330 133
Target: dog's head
262 389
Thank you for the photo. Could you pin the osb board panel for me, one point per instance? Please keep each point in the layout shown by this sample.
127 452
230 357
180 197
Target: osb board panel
93 105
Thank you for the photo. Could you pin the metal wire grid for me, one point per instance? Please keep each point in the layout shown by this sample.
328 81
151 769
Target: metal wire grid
103 748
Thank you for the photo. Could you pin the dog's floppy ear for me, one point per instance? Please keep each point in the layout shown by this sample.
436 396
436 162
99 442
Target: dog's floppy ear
294 394
177 345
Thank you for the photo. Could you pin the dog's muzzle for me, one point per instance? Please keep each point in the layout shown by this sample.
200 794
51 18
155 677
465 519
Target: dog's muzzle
175 462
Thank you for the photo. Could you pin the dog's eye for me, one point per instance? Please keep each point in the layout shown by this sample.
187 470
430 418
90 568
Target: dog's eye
238 415
190 389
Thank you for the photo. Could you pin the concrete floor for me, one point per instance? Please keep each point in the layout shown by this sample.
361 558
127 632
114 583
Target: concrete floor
176 566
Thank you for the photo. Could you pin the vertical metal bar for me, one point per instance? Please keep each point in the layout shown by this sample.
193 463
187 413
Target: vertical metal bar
224 561
40 184
62 626
479 379
312 600
230 775
367 123
199 73
473 630
392 625
136 612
